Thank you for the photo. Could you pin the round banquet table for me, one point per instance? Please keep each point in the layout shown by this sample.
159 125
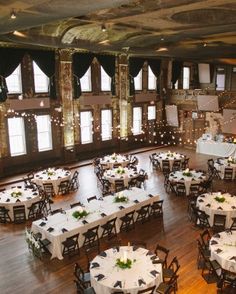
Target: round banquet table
112 174
108 161
53 175
223 250
27 197
208 204
106 277
171 156
196 177
221 164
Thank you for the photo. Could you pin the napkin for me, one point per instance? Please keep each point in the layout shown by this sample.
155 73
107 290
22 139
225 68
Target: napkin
35 193
18 200
141 282
136 201
200 200
150 195
94 265
149 253
49 178
233 207
28 198
103 214
84 222
117 248
8 200
99 277
112 176
219 208
180 179
208 205
213 242
202 196
41 178
42 224
200 178
50 229
218 250
121 207
157 261
154 273
59 177
64 230
103 254
135 248
153 257
233 258
117 284
216 236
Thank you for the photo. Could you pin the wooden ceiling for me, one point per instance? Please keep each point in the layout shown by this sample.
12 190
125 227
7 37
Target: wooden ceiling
194 29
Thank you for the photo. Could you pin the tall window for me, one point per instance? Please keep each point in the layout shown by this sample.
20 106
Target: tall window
44 132
220 78
152 80
186 77
105 81
85 81
106 124
41 81
16 132
13 81
138 81
86 127
151 112
137 120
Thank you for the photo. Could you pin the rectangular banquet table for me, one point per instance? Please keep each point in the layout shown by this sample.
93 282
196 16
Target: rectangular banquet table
216 148
95 208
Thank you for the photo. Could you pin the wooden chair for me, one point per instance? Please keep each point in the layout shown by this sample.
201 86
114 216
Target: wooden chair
194 190
49 190
165 166
177 165
127 221
157 208
19 214
71 245
35 210
63 188
228 174
81 276
233 225
75 204
168 287
143 214
171 271
218 223
162 253
180 189
149 290
185 163
4 215
92 198
141 244
74 183
119 185
109 229
91 238
55 211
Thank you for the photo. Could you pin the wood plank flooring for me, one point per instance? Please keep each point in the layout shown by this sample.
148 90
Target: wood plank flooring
20 272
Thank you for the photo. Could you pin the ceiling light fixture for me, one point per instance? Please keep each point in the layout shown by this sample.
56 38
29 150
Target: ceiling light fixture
103 28
162 39
205 44
13 14
162 49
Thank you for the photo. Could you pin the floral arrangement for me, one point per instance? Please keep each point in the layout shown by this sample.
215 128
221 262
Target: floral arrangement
120 170
219 198
50 172
187 173
170 154
124 262
33 243
120 197
16 193
80 213
231 160
114 156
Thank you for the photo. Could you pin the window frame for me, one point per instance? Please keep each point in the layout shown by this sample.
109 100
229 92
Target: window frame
153 76
20 90
101 79
141 121
92 127
49 132
184 79
140 80
22 135
89 90
46 78
101 124
218 73
154 112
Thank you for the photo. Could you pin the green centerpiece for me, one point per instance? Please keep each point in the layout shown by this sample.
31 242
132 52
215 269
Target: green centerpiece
120 197
114 156
187 173
50 172
16 193
219 198
80 213
124 264
120 170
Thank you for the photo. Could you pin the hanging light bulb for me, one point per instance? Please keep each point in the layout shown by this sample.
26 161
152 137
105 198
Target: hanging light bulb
13 14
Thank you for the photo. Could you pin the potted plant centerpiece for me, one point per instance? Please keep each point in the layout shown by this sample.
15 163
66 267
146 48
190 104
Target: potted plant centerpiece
80 212
187 173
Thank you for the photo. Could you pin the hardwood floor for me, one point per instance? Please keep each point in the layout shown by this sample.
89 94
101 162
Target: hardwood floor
20 272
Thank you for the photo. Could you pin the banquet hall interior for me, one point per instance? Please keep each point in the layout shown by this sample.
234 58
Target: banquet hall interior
118 146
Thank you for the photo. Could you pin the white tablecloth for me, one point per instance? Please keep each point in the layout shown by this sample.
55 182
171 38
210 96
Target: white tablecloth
27 197
52 175
228 207
141 270
221 164
195 178
95 209
111 175
216 148
109 160
171 156
224 251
